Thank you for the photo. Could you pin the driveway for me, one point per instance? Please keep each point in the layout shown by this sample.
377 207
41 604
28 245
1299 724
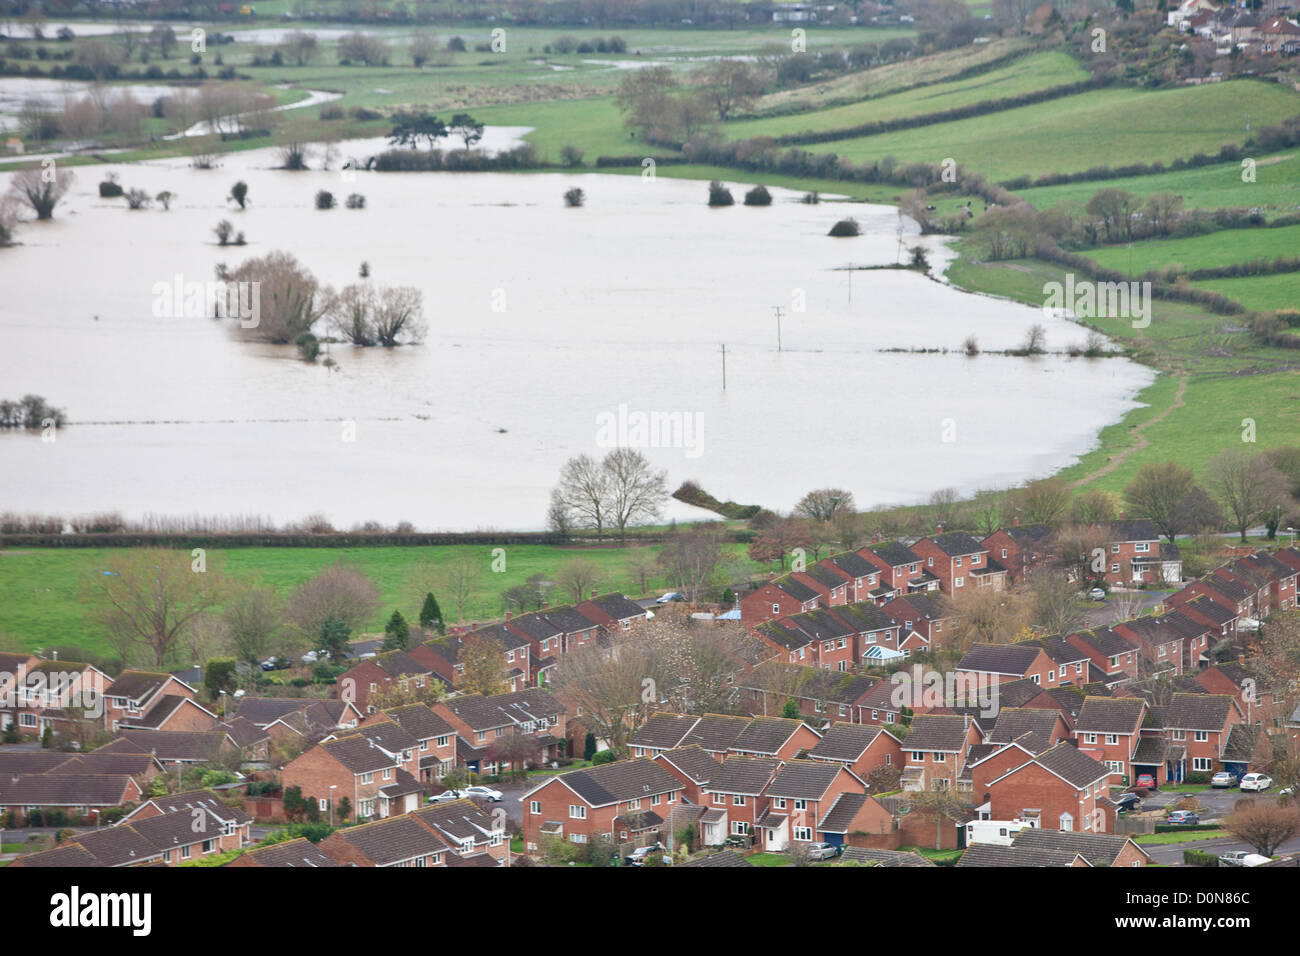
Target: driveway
1106 614
1171 854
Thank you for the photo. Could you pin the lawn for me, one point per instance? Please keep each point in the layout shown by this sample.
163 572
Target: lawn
1222 248
1262 293
1191 836
1037 71
1229 378
1099 127
45 593
1276 188
767 859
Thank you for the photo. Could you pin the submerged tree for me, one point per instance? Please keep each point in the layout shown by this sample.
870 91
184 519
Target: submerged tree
41 188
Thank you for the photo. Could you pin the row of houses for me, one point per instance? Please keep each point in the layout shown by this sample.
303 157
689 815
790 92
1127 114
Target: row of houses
1263 30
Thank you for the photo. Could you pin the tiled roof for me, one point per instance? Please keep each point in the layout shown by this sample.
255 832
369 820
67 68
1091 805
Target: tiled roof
1198 711
993 854
1138 530
747 775
298 853
765 735
663 731
1014 722
895 554
64 790
804 779
937 732
620 781
392 840
696 763
716 732
845 741
1076 768
796 589
1099 849
857 854
1110 715
504 710
1106 642
136 685
1000 658
724 858
957 544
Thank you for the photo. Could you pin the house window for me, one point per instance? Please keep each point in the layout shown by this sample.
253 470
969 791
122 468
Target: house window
737 800
778 802
720 799
1180 735
956 562
185 852
1004 552
1067 823
534 806
634 804
738 827
1142 548
577 838
1201 763
388 773
1112 738
1201 736
974 560
1114 569
367 778
803 834
801 804
577 811
958 582
776 609
1089 738
929 562
443 740
918 756
324 804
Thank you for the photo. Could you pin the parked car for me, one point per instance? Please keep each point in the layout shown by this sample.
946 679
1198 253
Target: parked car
1256 781
1127 802
276 664
1241 858
447 796
1097 594
823 851
1286 792
1223 778
1184 818
486 793
637 856
1146 781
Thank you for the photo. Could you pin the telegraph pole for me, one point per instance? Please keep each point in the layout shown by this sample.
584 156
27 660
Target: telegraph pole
724 367
777 309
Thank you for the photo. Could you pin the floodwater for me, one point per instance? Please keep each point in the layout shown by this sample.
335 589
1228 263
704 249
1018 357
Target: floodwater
546 324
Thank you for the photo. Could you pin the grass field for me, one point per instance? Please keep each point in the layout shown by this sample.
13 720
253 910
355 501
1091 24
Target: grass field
1038 71
1263 293
45 592
1229 378
1100 127
1200 252
1276 188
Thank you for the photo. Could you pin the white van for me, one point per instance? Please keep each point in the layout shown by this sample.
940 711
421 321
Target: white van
1001 832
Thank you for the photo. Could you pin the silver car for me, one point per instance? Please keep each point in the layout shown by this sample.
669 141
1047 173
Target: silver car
823 851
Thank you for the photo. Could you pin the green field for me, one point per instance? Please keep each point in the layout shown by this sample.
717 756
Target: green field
45 592
1226 247
1276 188
1100 127
1037 71
1262 293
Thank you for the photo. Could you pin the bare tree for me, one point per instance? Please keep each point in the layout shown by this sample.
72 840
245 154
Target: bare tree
151 597
483 663
252 615
637 492
1055 609
643 568
583 493
41 188
577 577
1156 492
299 46
288 296
691 557
1247 485
340 592
1265 826
1043 502
460 576
728 85
824 504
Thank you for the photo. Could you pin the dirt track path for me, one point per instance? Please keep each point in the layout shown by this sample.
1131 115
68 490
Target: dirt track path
1142 441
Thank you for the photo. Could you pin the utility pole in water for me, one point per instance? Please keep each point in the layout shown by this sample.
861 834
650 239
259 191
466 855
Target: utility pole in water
724 367
777 309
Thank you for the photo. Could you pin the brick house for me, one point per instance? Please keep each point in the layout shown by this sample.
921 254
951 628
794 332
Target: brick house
1020 549
928 615
863 577
359 768
836 641
466 829
1133 555
613 611
1198 638
790 643
1221 620
482 722
960 561
855 819
1281 578
190 825
394 668
34 693
874 628
1108 730
661 733
1072 664
831 584
802 792
1061 789
1160 645
1228 594
902 570
860 748
1099 849
779 737
516 653
693 766
735 795
935 750
400 841
589 804
132 698
1112 657
779 598
1045 726
298 853
81 796
1197 727
435 739
1006 662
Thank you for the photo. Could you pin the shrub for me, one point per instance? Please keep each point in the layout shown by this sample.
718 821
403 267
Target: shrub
364 115
571 156
137 199
574 197
971 347
758 196
1199 858
109 188
331 112
811 199
845 227
308 346
324 199
355 201
720 195
224 231
604 756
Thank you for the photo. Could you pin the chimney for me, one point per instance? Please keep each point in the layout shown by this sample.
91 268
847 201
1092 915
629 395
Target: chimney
771 575
509 614
938 529
1015 522
593 594
545 604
